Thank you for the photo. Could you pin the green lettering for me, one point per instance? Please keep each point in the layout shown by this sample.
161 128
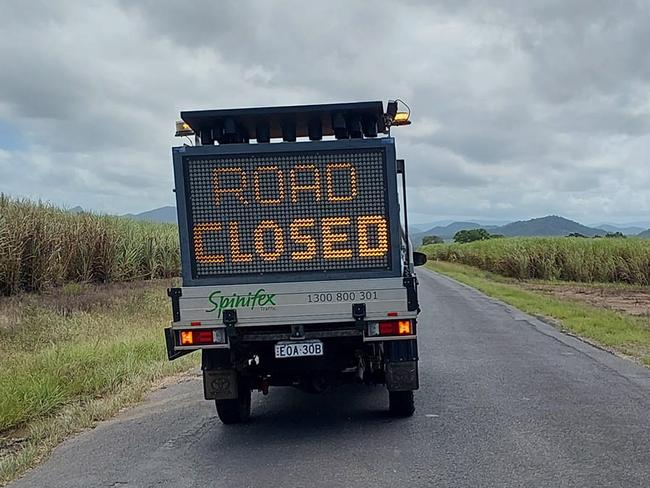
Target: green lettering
268 299
259 299
212 299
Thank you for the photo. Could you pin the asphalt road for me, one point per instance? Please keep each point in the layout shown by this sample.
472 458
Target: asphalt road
505 400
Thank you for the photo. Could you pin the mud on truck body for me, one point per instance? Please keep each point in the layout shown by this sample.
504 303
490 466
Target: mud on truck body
296 266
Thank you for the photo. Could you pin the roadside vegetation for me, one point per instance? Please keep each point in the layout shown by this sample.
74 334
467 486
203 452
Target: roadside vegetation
607 320
42 246
73 356
605 260
82 308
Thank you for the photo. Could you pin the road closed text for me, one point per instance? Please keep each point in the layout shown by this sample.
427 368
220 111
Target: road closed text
337 234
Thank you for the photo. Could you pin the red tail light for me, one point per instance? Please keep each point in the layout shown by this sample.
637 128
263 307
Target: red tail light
202 336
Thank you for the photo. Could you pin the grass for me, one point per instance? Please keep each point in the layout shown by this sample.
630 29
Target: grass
42 246
73 356
629 335
614 260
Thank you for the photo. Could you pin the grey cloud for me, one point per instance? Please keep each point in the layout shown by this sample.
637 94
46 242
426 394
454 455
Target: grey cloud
519 108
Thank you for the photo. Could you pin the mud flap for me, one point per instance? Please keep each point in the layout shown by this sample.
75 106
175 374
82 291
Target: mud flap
402 376
219 384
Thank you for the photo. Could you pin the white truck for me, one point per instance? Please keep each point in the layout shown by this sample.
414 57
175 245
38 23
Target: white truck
296 266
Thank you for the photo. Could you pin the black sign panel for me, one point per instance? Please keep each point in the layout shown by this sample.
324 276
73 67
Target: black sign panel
297 212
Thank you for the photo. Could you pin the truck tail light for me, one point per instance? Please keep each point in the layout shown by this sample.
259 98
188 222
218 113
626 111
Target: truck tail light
202 337
404 327
390 328
187 338
395 327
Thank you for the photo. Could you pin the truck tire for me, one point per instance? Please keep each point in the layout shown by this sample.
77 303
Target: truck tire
236 410
400 403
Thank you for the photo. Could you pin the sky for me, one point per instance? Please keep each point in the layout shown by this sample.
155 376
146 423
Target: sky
519 109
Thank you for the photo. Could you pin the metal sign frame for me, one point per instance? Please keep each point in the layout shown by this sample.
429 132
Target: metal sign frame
180 156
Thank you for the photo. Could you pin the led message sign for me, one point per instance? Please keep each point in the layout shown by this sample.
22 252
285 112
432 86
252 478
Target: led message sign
303 212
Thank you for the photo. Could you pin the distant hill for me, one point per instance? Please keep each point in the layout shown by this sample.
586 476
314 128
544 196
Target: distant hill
551 225
447 231
162 214
423 227
645 234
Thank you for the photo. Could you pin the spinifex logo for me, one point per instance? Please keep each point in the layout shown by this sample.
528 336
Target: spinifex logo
258 299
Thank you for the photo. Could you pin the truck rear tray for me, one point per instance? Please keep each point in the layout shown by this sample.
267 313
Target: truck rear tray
293 302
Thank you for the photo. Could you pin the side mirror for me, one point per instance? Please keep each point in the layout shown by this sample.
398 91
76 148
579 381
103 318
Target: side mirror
419 258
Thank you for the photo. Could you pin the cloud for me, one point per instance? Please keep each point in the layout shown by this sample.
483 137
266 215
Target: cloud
520 109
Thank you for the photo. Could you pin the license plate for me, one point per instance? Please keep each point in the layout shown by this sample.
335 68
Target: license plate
298 349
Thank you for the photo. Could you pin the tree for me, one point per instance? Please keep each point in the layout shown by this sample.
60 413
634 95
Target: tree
577 234
426 240
464 236
615 235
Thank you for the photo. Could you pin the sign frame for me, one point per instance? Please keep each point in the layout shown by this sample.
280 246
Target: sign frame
182 153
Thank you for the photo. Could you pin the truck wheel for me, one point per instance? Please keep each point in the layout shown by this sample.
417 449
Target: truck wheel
400 403
236 410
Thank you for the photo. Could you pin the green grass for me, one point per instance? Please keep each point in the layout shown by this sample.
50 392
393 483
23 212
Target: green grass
74 356
625 260
624 333
42 246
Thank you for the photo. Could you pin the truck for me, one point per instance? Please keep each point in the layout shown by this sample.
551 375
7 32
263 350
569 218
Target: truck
297 269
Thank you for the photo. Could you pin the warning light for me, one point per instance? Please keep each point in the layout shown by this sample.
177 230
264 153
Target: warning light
183 129
401 118
393 117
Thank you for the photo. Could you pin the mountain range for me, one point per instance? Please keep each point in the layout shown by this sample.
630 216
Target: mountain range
551 225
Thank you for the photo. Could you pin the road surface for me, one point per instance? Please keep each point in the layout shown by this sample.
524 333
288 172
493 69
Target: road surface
505 400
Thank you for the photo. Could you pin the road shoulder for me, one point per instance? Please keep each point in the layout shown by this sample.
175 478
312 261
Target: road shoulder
623 365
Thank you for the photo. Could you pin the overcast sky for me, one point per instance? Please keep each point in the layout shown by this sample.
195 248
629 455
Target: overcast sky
519 109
